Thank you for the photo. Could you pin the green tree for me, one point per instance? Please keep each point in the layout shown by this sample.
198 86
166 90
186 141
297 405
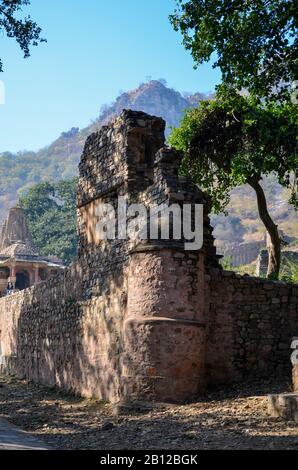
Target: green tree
25 31
289 271
254 41
234 140
51 214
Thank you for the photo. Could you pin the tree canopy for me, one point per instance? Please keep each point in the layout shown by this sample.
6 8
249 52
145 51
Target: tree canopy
51 213
234 140
254 43
229 140
25 31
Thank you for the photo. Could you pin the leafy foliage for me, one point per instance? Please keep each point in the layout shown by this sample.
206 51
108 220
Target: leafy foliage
226 263
233 139
51 214
254 41
289 272
25 31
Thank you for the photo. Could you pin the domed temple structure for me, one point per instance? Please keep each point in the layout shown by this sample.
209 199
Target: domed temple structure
20 263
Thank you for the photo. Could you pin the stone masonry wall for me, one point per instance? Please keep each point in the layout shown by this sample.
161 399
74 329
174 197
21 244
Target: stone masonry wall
49 335
146 319
251 322
95 330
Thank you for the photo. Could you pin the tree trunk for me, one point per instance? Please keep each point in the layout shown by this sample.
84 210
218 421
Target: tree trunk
275 248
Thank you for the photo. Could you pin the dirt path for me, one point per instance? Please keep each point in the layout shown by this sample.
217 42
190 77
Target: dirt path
13 438
227 419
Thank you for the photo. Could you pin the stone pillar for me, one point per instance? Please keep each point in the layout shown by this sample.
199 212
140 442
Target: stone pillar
3 285
36 275
164 330
294 359
262 263
295 378
13 276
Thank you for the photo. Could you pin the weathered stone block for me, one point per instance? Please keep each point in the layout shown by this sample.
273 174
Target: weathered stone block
295 378
284 406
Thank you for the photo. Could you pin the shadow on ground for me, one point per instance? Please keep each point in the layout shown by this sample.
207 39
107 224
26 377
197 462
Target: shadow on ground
233 418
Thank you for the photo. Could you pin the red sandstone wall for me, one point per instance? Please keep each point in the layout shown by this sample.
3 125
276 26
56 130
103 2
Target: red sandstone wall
144 324
70 331
165 345
50 336
164 330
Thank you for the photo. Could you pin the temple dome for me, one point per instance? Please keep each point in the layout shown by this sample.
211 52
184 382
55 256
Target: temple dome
16 240
15 230
20 248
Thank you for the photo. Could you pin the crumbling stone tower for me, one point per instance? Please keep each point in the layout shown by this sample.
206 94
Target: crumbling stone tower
155 288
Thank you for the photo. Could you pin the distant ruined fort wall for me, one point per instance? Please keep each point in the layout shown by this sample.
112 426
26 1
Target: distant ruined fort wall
144 321
244 253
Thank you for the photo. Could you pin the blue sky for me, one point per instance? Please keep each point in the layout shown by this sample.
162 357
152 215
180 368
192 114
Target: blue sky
95 49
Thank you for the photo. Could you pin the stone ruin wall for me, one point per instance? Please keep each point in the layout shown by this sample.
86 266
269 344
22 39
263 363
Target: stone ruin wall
93 329
144 321
251 325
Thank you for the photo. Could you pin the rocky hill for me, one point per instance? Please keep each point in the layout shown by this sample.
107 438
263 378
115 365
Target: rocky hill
60 161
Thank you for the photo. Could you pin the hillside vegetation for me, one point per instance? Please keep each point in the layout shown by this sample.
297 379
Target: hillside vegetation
59 161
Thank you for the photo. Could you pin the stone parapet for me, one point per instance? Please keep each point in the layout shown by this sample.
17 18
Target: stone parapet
284 406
